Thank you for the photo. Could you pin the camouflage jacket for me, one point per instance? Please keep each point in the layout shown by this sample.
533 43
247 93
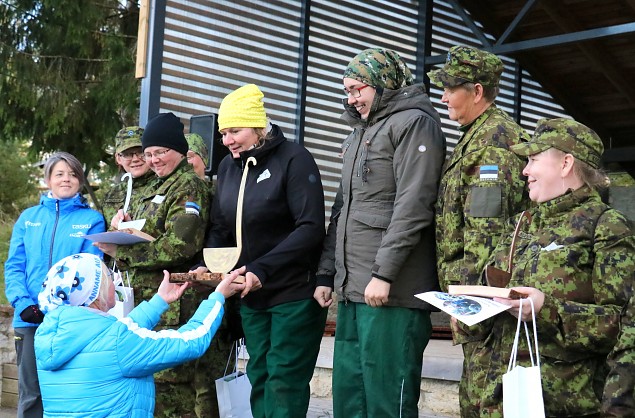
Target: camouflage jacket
579 253
482 186
115 197
619 392
176 210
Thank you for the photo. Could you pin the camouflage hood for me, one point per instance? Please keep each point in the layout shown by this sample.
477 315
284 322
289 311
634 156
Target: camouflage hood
379 68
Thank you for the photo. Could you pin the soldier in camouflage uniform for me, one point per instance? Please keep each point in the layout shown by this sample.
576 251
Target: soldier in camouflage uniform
175 206
198 154
129 158
574 258
211 365
482 183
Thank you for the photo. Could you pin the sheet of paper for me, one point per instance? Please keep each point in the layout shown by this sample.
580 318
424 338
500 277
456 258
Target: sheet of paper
468 309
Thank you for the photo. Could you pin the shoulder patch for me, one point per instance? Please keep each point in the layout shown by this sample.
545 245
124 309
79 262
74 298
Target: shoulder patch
192 208
488 172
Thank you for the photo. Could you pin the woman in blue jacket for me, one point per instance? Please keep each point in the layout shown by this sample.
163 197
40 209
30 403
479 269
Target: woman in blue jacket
92 365
42 235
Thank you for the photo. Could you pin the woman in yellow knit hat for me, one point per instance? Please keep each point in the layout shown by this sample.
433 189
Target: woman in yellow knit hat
282 233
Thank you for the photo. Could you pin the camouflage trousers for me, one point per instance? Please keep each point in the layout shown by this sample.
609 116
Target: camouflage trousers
473 400
481 387
189 390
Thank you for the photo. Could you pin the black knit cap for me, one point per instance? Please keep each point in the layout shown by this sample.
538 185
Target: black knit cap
165 130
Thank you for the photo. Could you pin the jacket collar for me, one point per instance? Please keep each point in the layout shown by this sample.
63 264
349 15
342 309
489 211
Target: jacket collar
77 201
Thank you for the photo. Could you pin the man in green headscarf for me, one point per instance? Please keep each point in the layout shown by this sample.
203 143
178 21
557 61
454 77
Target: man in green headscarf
380 250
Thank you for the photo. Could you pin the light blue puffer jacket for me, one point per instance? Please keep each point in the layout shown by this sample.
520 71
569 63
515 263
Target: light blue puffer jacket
92 365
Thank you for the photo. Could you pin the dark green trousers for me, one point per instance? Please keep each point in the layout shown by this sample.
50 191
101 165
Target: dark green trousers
283 344
377 360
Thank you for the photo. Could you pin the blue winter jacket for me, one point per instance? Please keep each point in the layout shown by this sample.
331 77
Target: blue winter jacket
43 235
92 365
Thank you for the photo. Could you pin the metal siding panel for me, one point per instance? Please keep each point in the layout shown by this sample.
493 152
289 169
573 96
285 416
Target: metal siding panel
213 47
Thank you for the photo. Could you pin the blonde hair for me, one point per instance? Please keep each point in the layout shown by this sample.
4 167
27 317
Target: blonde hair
595 178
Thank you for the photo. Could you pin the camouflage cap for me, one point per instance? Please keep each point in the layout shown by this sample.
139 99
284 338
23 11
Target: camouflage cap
127 138
466 64
566 135
196 143
379 67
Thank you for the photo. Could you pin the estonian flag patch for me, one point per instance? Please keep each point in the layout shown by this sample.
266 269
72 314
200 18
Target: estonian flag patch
488 172
193 208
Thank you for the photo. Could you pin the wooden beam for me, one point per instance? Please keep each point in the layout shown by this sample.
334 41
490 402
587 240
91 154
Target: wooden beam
142 39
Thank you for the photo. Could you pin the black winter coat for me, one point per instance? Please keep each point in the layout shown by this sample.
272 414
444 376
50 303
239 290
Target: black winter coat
283 219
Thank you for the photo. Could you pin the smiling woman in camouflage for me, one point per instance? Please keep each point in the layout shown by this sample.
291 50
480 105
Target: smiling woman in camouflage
175 206
574 259
129 159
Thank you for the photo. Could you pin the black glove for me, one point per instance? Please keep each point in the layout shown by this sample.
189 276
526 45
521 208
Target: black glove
32 314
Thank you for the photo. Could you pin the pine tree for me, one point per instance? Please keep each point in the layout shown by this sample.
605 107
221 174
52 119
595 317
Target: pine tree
67 74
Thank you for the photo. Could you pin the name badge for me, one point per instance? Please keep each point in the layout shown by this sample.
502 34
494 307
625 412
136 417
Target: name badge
158 199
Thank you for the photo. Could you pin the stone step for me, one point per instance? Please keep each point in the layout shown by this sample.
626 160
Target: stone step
9 395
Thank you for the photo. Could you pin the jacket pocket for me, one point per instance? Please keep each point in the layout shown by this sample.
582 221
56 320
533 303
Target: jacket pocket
485 202
374 220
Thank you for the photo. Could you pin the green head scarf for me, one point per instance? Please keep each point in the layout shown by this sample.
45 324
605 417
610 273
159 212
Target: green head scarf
379 67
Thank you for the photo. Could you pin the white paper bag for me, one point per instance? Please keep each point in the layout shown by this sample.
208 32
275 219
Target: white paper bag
124 302
124 296
234 390
522 387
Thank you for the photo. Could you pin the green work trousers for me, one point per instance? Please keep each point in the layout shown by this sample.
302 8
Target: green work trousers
283 344
377 360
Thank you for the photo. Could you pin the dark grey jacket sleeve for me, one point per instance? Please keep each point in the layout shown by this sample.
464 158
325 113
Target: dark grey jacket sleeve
326 266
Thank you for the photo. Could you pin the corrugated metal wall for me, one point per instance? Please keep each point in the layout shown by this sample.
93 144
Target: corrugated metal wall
212 47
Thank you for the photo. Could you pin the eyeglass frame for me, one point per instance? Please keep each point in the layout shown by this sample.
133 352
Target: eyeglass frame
156 154
349 92
128 155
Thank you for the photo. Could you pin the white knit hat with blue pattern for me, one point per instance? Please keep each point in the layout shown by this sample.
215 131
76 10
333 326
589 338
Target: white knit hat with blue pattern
74 280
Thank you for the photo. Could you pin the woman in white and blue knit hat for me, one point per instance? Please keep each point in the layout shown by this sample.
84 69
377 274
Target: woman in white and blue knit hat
91 364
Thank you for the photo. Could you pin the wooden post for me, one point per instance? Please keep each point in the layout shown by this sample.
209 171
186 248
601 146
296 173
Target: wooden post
142 39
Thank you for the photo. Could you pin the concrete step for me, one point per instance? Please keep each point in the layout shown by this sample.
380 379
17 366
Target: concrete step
9 394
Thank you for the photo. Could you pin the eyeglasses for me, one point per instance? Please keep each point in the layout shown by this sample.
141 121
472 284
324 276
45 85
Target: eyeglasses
355 92
156 154
129 155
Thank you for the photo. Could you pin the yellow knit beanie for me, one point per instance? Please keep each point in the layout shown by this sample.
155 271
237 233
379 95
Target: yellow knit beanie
242 108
